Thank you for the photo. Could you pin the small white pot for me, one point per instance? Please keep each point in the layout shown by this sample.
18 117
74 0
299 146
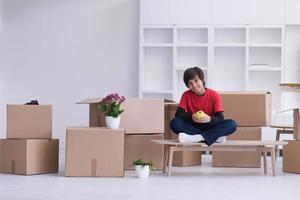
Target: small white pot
112 122
142 171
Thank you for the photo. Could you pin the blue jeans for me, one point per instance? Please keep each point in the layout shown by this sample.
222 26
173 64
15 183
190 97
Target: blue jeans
209 133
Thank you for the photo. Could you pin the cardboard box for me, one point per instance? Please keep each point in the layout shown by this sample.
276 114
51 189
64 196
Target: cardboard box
291 158
296 124
94 152
239 159
180 159
185 158
29 156
248 108
140 146
139 116
29 121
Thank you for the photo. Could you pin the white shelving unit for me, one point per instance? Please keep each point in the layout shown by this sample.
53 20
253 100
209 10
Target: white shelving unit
233 57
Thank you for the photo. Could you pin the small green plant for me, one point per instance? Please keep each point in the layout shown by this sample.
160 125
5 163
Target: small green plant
143 164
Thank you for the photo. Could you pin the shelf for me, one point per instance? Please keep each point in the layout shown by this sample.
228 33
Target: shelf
190 57
270 56
230 45
191 45
181 68
265 35
230 35
266 68
266 45
158 35
229 69
157 65
158 45
192 35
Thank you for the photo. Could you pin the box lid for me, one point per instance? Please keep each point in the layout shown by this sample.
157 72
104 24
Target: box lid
98 100
244 92
89 100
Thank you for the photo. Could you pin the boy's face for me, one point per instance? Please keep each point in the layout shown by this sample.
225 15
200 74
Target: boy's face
196 85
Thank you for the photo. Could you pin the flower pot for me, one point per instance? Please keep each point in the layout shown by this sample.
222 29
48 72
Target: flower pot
142 171
112 122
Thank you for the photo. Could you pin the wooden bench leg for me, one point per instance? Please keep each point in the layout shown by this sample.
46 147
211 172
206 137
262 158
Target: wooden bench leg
265 162
272 151
278 132
171 151
166 158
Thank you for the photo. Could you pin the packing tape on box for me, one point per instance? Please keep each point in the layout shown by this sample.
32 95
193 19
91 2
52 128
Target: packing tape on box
13 166
93 167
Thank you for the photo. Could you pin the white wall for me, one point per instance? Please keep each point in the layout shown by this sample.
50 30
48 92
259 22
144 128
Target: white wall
0 15
61 51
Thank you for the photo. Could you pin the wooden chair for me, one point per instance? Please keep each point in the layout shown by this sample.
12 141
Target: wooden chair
281 129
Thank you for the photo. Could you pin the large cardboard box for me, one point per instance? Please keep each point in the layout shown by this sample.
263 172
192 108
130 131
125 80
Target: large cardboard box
291 158
29 156
29 121
139 116
140 146
239 159
94 152
180 159
248 108
296 124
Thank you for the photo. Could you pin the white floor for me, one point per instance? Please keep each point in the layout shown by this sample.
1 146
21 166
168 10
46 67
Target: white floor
200 182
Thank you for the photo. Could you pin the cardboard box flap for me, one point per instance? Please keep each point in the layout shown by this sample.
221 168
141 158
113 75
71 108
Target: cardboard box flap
290 109
98 100
89 100
244 92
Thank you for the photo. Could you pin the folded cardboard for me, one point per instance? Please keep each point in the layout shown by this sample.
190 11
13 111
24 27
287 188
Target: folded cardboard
248 108
291 158
29 121
94 152
239 159
139 116
140 146
29 156
296 124
170 110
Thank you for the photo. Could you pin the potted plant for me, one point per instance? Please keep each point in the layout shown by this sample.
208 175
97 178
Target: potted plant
142 168
111 107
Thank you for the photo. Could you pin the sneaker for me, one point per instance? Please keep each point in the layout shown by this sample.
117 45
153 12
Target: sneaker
185 138
221 139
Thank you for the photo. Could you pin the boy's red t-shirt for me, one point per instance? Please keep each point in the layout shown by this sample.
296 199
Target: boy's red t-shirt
210 102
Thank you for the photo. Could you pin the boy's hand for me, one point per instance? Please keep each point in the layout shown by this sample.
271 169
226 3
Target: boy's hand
204 119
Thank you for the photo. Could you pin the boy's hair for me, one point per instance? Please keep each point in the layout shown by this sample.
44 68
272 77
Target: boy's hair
191 73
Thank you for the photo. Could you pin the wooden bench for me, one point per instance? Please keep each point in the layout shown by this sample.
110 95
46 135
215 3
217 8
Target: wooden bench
230 145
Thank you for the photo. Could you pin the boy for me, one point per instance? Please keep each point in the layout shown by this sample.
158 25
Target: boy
208 125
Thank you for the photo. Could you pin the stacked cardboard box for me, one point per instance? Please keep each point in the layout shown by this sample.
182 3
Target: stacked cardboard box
291 158
185 158
94 151
251 111
142 120
29 147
